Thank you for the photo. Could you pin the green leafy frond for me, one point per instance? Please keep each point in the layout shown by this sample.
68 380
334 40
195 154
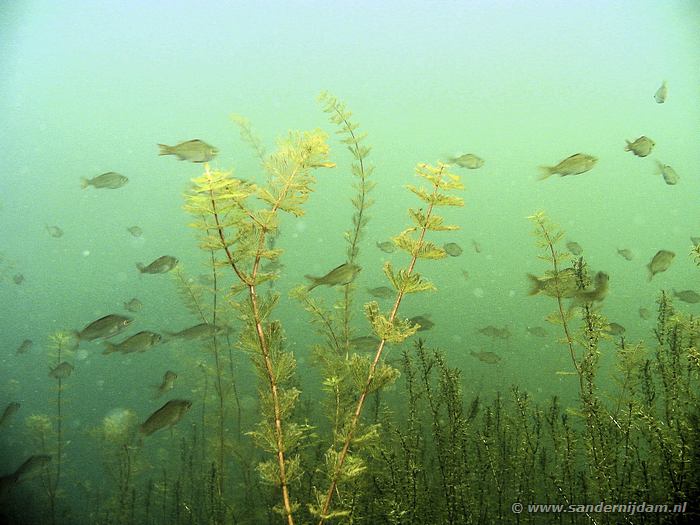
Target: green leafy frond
395 332
434 223
248 136
406 283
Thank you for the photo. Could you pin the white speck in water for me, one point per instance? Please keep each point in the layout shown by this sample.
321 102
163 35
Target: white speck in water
300 226
81 354
511 293
478 292
86 253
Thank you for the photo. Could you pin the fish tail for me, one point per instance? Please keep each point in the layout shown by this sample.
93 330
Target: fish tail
164 150
546 172
627 148
140 267
535 285
314 282
84 183
651 273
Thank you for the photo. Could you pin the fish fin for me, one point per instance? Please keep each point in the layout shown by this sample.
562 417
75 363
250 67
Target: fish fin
109 348
164 150
84 183
651 274
535 285
627 148
546 172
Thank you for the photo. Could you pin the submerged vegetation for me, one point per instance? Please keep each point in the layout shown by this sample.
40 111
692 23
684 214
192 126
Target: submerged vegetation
398 438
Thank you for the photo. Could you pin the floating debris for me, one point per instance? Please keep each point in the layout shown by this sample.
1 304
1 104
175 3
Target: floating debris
465 275
191 150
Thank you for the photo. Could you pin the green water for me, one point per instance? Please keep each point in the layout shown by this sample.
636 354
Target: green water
92 87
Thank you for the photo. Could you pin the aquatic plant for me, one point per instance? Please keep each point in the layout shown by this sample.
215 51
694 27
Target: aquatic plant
232 224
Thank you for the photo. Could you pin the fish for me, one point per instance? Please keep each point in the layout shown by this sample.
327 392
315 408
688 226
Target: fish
162 264
476 246
18 278
191 150
139 342
640 147
135 231
386 246
598 293
342 275
166 385
109 180
134 305
465 275
31 464
54 231
62 370
660 263
452 249
10 410
537 331
468 160
366 343
644 313
687 296
626 253
615 329
104 327
661 93
574 248
567 286
196 331
495 332
25 346
487 357
574 165
668 173
423 322
565 373
166 416
382 292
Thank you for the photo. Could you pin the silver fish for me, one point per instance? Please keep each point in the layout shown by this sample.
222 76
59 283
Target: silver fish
139 342
668 173
166 416
573 165
640 147
160 265
661 93
191 150
343 274
107 326
109 180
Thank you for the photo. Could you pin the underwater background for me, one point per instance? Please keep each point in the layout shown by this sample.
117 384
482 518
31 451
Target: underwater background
93 87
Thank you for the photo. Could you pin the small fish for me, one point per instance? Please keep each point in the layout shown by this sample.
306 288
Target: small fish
626 253
465 275
660 262
495 332
476 246
166 385
468 160
196 331
135 231
25 346
687 296
18 278
365 343
487 357
548 285
192 150
615 329
62 370
640 147
109 180
107 326
537 331
573 165
54 231
342 275
644 313
139 342
386 246
160 265
661 93
668 173
10 410
574 248
452 249
423 321
166 416
272 266
598 293
565 373
134 305
382 292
